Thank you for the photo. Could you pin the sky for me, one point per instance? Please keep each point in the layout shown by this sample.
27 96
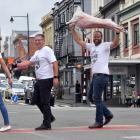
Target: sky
35 9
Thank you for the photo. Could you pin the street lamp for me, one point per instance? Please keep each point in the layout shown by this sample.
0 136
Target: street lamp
27 17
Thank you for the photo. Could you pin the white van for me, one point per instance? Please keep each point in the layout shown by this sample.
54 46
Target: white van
2 77
23 79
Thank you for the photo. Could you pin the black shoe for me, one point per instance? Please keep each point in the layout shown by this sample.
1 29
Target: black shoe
108 119
43 127
95 125
53 119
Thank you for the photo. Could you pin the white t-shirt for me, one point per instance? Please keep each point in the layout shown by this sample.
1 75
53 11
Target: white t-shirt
99 57
43 60
0 56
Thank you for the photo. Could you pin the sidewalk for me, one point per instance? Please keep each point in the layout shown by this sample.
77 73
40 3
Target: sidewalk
69 99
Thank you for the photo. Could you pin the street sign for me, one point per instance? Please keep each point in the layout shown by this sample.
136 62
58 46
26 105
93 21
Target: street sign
75 59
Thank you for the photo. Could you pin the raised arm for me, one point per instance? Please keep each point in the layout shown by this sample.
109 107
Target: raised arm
76 37
115 41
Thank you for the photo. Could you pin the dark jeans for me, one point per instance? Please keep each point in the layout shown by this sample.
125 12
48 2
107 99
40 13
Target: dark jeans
97 86
41 97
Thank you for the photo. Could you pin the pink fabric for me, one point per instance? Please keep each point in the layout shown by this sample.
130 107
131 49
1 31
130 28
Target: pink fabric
84 20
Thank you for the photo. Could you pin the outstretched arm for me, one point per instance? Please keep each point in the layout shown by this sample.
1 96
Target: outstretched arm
76 37
24 65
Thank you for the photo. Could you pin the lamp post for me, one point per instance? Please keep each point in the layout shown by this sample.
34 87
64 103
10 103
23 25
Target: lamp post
84 92
27 18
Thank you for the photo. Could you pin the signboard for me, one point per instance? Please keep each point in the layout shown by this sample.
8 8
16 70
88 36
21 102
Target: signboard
118 70
77 59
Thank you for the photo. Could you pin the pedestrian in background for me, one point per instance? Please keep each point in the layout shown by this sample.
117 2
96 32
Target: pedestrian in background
77 92
46 70
77 87
99 53
2 105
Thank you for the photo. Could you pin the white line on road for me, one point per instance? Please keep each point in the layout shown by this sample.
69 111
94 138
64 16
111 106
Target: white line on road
132 137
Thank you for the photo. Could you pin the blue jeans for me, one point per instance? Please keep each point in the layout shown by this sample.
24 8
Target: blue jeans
4 111
97 87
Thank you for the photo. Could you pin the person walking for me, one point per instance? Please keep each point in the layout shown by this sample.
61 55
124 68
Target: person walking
99 53
3 109
77 87
77 92
46 70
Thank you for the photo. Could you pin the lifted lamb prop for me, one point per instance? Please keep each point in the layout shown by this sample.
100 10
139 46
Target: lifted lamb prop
84 20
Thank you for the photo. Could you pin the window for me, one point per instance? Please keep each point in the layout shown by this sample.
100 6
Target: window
113 33
135 32
125 37
126 41
70 12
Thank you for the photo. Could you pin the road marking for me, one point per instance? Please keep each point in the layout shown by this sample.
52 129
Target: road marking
132 137
81 128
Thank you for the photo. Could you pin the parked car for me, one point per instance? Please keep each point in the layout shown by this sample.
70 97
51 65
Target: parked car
17 89
3 87
2 77
29 89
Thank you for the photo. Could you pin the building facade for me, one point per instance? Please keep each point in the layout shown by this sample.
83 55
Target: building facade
129 17
66 50
47 28
18 45
124 60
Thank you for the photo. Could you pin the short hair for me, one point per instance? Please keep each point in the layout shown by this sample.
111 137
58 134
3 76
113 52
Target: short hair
40 35
99 32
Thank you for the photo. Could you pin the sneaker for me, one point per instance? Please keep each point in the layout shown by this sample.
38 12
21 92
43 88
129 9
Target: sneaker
95 125
42 127
108 119
5 128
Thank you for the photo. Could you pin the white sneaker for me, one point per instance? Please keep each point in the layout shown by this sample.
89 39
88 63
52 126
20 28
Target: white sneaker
5 128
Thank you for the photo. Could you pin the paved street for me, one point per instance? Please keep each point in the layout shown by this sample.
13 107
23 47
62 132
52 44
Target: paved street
71 124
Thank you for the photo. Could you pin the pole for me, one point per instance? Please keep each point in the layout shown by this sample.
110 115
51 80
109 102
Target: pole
28 35
84 92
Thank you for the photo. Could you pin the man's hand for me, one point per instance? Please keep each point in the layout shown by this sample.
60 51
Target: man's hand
71 27
55 82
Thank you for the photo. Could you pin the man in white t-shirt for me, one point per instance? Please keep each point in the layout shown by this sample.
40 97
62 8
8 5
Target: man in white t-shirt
46 70
99 53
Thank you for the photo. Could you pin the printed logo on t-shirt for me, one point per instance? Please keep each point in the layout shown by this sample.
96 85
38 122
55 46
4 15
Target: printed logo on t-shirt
37 65
94 56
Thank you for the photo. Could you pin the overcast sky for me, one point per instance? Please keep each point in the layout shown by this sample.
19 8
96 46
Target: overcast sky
35 8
